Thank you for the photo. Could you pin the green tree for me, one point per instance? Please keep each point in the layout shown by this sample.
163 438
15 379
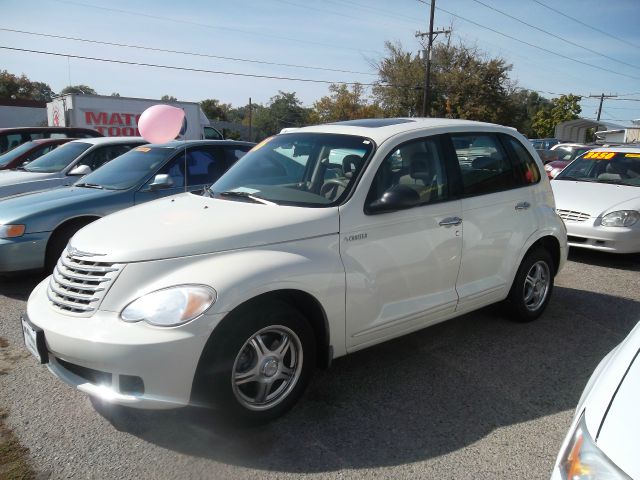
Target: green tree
343 104
14 87
215 110
78 89
168 98
465 84
284 110
525 104
400 79
563 108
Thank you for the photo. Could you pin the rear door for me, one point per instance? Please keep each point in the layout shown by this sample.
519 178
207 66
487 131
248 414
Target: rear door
497 176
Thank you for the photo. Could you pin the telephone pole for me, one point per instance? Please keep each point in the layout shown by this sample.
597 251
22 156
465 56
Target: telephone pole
426 97
602 97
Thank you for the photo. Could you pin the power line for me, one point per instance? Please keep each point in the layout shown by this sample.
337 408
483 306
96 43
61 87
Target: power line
566 57
195 54
554 35
586 24
213 27
202 70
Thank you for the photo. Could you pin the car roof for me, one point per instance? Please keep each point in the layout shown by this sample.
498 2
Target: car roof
110 140
620 149
194 143
381 129
47 129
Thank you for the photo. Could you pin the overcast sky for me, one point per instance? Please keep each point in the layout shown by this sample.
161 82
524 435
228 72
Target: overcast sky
331 34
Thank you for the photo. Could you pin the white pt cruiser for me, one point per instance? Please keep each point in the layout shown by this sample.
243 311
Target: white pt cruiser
319 242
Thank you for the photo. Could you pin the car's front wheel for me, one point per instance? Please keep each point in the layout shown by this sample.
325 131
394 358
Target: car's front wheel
532 286
258 361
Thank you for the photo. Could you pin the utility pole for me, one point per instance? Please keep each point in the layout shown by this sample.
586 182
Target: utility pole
426 97
602 97
250 118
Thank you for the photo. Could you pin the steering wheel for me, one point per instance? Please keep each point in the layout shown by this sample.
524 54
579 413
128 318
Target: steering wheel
330 187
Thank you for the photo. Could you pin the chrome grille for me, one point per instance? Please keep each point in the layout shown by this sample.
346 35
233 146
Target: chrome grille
77 285
572 216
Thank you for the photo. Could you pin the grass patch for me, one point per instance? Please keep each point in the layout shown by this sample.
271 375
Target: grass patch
13 456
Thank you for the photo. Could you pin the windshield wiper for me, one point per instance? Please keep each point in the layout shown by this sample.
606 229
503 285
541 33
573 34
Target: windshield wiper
255 199
90 185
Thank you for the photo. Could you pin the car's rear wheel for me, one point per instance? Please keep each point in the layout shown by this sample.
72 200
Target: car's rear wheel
532 286
258 362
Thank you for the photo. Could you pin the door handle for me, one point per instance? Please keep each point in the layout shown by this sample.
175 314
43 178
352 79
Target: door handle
523 206
450 221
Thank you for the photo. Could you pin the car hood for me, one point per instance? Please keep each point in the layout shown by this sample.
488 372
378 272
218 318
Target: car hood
188 224
21 207
17 182
610 404
11 177
594 198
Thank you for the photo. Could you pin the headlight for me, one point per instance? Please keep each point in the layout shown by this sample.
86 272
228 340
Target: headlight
11 231
583 460
171 306
621 218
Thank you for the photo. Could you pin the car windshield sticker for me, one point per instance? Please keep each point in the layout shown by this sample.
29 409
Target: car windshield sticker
599 155
261 144
143 149
250 191
632 155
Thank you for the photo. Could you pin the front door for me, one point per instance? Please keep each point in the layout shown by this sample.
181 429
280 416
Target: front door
401 266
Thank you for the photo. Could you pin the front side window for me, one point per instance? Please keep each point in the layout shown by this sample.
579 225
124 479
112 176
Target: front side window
418 165
59 158
484 165
302 169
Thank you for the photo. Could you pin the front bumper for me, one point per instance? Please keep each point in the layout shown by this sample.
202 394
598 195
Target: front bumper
23 253
606 239
99 355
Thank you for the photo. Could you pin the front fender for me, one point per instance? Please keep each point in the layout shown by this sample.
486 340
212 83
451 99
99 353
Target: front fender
312 266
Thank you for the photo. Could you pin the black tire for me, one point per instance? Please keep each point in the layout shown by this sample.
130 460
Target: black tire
58 242
229 354
527 300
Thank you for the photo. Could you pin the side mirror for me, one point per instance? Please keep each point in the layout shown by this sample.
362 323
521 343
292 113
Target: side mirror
161 181
398 197
80 170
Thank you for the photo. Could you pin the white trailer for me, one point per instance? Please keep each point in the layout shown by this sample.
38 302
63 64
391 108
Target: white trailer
118 116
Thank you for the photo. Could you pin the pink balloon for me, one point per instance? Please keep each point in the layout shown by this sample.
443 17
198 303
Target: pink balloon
160 123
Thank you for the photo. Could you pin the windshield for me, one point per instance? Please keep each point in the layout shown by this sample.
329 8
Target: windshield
568 154
128 169
15 153
302 169
58 159
622 168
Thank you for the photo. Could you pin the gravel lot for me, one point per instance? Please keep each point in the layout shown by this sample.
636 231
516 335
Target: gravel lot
476 397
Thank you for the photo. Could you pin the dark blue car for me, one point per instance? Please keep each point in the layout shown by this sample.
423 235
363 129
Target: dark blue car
35 228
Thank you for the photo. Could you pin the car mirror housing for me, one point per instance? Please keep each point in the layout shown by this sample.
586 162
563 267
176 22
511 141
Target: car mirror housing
398 197
161 181
80 170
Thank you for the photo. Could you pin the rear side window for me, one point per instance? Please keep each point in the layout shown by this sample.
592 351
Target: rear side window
524 167
484 164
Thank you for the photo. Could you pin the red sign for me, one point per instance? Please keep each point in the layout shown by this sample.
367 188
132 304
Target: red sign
114 124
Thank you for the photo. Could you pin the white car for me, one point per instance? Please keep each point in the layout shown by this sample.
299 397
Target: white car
598 197
317 243
603 438
64 165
